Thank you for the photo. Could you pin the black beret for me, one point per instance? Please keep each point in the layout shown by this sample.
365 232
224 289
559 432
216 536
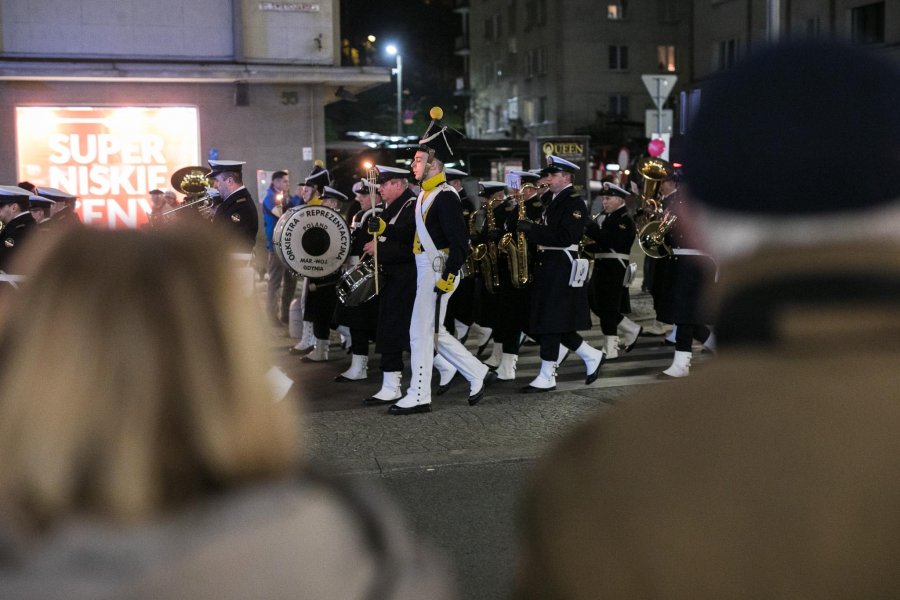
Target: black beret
783 131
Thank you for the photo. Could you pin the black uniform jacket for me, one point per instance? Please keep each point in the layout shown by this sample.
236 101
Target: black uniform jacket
556 307
398 275
238 212
365 315
686 277
13 235
447 227
615 234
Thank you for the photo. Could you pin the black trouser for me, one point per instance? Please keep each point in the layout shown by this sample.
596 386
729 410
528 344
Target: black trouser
609 322
550 344
686 333
359 340
392 361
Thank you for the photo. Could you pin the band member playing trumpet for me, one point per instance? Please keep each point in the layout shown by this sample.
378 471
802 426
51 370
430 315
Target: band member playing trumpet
440 247
612 235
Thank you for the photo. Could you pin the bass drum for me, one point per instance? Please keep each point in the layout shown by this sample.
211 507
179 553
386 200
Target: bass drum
357 285
312 241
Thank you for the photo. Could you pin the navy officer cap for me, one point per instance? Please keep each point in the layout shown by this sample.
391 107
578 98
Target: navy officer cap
13 193
54 194
330 192
225 166
388 173
556 164
486 189
611 189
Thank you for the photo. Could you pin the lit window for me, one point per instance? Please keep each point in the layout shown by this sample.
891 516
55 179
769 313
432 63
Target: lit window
615 10
666 57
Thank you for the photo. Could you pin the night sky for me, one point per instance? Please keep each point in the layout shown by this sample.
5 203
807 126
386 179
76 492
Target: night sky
425 31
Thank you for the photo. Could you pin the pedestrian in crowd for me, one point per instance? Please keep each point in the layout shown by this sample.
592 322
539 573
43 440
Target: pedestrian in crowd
172 201
18 223
274 204
237 210
157 208
440 245
167 464
612 235
775 470
559 307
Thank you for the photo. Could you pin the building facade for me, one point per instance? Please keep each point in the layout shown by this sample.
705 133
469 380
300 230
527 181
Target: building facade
537 67
255 76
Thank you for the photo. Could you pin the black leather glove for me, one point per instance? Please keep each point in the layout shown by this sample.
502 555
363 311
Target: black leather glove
375 225
524 226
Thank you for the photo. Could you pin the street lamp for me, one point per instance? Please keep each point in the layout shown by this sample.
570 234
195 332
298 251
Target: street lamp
392 50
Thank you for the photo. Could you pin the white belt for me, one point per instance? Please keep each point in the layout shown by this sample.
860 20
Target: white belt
616 255
688 252
571 248
694 252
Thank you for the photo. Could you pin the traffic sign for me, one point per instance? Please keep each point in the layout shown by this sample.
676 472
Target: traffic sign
659 86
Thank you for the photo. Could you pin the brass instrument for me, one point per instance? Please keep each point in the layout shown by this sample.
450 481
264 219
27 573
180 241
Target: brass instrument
516 247
486 252
193 182
471 261
652 236
372 182
655 171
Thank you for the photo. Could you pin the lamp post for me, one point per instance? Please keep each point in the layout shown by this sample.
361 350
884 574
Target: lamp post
392 50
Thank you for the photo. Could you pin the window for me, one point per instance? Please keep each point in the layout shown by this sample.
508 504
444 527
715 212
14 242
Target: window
541 115
536 62
665 56
511 16
667 11
618 58
615 10
867 23
487 73
512 108
811 27
493 29
498 71
528 112
618 106
727 53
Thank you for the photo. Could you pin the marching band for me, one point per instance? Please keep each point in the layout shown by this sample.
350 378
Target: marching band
415 266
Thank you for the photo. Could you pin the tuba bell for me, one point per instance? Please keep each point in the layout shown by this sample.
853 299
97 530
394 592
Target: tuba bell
654 171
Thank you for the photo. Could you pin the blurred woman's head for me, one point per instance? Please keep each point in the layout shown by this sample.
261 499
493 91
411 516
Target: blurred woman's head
132 368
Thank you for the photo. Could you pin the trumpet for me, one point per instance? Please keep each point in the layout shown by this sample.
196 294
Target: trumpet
199 202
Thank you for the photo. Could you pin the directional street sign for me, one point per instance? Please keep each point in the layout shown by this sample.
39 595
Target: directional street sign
659 86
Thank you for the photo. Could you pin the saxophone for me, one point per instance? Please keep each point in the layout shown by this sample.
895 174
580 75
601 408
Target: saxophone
486 253
517 249
471 265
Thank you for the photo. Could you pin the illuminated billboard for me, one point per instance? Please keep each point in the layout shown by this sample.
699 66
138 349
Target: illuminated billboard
110 157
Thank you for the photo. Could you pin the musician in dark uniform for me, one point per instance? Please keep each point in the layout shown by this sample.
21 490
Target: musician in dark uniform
559 310
395 230
513 319
361 320
690 272
321 297
441 244
612 235
41 208
18 224
237 211
462 307
63 213
311 191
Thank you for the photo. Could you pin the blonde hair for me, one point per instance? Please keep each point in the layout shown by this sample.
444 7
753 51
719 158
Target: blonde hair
133 379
